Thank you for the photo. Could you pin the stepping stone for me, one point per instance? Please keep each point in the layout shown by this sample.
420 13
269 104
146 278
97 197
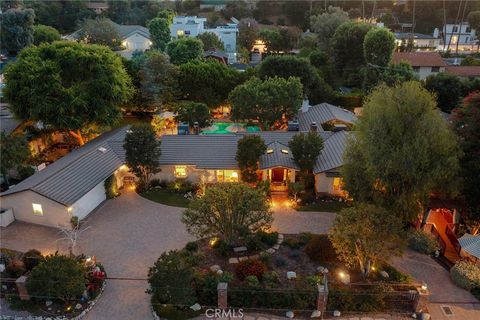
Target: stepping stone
279 241
255 256
233 260
271 250
196 307
336 313
215 268
316 314
280 236
239 249
290 314
291 275
276 247
366 318
243 258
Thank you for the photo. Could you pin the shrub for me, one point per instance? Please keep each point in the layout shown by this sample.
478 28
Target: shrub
254 242
15 268
266 258
279 262
293 243
111 188
307 197
396 276
314 280
295 255
269 238
31 259
192 246
271 279
58 277
320 249
222 248
252 281
466 275
250 268
422 242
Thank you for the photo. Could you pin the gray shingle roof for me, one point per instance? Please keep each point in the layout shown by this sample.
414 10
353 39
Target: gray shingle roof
71 177
124 30
322 113
471 244
332 153
277 155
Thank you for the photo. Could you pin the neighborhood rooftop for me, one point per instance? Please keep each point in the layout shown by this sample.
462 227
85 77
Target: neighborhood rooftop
322 113
419 59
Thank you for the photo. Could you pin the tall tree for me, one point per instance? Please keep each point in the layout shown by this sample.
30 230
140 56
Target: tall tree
249 150
100 31
226 210
378 46
210 41
306 147
191 112
467 125
15 153
365 235
325 25
401 151
160 32
473 19
142 152
17 29
448 89
59 84
43 33
247 33
184 49
267 101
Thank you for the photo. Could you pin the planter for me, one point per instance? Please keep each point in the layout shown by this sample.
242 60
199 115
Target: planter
6 217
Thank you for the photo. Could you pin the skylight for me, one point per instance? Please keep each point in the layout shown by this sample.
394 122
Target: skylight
269 151
284 151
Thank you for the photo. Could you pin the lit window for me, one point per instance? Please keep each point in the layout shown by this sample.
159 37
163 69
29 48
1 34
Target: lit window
37 209
180 33
269 150
454 39
227 176
284 151
180 171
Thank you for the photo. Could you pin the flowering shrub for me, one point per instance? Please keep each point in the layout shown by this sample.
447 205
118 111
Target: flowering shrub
466 275
250 268
422 242
95 277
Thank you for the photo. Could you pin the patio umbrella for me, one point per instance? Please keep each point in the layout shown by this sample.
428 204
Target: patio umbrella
470 244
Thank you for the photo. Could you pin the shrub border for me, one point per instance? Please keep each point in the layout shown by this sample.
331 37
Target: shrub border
272 250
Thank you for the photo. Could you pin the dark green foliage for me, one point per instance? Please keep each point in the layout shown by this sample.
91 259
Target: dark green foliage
191 112
142 152
320 249
249 150
15 268
50 83
192 246
43 33
395 276
298 297
306 148
111 188
290 66
31 259
378 46
362 299
100 31
160 33
211 42
184 49
448 89
14 151
273 98
171 278
208 82
57 277
17 29
269 238
422 242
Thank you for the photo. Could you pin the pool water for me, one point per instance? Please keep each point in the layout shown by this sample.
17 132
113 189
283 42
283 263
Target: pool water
229 127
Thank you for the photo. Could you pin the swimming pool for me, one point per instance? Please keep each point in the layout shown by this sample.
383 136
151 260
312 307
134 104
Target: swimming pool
229 127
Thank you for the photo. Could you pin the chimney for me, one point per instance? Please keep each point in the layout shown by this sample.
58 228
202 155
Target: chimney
305 105
313 127
196 128
436 32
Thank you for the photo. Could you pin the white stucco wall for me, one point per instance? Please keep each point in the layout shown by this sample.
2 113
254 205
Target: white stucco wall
424 72
54 213
137 42
83 206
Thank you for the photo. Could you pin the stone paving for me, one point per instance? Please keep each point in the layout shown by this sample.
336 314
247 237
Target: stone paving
127 235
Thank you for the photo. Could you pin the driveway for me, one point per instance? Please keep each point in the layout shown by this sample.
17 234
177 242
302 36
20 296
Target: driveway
443 292
127 235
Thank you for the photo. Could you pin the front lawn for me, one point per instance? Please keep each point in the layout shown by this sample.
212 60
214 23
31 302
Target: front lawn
166 197
323 206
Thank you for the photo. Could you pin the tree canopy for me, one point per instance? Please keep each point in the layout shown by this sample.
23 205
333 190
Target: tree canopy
226 211
17 29
448 88
191 112
14 151
142 152
160 32
247 33
100 31
59 84
306 148
43 34
378 46
365 235
325 25
249 150
184 49
211 42
266 101
401 151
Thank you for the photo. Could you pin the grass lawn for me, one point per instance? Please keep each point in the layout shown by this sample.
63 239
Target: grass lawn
166 197
324 206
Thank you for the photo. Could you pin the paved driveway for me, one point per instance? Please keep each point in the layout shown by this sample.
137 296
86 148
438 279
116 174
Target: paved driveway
442 290
127 235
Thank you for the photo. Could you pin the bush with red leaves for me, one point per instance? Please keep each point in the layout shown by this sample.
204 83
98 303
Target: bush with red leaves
250 268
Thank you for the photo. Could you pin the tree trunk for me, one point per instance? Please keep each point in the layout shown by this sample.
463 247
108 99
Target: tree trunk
77 135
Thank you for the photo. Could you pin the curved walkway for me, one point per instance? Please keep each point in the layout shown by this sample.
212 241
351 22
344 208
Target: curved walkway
127 235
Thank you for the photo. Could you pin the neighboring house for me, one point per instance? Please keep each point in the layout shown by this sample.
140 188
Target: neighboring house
423 63
459 34
418 41
470 247
133 37
469 72
328 116
220 56
211 159
71 186
98 6
192 26
216 5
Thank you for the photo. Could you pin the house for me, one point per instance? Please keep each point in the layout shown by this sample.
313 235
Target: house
72 185
211 159
219 56
216 5
469 72
98 6
459 36
419 41
470 247
328 116
132 37
192 26
423 63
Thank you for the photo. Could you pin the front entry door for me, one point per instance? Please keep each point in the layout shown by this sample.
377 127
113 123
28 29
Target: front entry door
278 175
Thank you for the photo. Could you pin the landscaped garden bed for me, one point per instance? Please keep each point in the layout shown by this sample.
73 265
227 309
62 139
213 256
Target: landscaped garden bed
175 194
57 286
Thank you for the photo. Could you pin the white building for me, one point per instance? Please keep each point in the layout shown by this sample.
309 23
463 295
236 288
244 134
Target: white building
461 34
192 26
418 41
423 63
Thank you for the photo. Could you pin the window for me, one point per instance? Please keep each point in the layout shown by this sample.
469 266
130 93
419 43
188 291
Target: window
435 69
227 176
454 39
468 30
455 29
180 171
37 209
285 151
466 39
337 185
416 69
